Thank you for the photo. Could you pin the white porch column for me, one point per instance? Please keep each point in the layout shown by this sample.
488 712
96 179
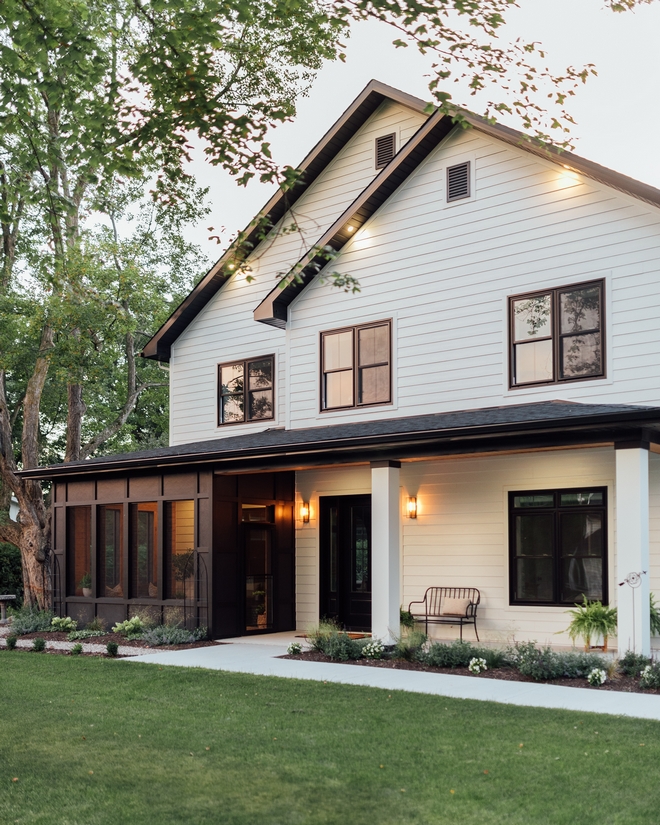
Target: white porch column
632 547
385 518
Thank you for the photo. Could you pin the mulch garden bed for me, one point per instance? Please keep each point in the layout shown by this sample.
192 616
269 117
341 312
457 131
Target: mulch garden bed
57 636
621 683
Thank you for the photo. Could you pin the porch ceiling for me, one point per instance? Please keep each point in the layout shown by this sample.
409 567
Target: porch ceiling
492 429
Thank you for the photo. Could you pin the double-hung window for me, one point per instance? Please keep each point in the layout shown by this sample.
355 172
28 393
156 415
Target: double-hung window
245 390
557 546
557 335
356 366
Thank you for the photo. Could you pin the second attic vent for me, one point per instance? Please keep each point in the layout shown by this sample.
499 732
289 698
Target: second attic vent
385 150
458 181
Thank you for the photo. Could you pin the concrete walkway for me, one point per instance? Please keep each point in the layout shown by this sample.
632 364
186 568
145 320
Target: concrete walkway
258 655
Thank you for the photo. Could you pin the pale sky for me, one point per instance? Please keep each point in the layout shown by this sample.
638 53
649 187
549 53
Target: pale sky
617 113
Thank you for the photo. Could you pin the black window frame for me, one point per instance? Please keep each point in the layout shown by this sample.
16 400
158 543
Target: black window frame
557 510
246 408
355 329
556 335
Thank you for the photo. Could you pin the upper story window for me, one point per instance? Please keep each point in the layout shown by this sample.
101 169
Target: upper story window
557 546
557 335
385 150
356 366
246 390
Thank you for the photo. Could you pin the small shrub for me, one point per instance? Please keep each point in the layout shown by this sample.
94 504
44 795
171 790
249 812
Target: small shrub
63 624
84 634
456 654
30 620
294 649
96 624
318 636
406 618
632 664
167 635
410 646
597 677
373 649
340 647
77 649
112 648
650 676
477 666
38 644
11 642
131 628
200 633
543 664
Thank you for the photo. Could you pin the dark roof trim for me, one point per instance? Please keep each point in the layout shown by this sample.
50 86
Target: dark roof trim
365 104
511 428
273 310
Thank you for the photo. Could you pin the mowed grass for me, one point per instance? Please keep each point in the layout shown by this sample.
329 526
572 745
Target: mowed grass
103 741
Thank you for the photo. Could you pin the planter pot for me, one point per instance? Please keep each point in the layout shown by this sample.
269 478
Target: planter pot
87 592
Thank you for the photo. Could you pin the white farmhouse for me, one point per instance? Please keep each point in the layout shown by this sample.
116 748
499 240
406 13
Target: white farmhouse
484 413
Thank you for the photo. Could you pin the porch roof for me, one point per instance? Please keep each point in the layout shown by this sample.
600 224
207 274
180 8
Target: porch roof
491 429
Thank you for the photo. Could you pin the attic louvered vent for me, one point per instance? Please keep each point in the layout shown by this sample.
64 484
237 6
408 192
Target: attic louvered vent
458 181
385 150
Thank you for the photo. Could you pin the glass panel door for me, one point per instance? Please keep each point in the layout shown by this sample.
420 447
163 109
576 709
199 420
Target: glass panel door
258 577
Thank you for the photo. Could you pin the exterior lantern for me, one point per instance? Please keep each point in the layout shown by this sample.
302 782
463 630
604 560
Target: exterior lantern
304 512
411 508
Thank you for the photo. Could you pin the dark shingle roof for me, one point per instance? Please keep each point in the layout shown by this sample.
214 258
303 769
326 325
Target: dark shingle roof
412 435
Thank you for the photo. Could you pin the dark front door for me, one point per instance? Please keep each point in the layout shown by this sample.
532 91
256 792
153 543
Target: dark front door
345 555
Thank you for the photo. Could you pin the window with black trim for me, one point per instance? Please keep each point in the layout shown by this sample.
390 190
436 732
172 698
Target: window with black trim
558 546
356 366
557 335
246 390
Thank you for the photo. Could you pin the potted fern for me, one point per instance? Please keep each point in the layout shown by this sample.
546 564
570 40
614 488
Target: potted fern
592 620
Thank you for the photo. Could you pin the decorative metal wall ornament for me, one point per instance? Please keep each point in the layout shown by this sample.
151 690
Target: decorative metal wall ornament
633 580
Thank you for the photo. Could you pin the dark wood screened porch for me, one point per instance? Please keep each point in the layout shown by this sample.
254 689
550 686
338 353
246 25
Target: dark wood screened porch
193 547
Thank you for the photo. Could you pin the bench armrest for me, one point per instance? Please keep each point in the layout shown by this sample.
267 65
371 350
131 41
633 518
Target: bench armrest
423 601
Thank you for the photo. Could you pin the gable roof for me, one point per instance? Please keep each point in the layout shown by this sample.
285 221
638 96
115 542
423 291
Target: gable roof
357 114
273 310
510 427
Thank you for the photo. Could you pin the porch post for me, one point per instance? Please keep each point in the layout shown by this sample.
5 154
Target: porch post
632 547
385 517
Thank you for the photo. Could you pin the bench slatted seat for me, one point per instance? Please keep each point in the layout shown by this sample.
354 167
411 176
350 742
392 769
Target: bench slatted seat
448 605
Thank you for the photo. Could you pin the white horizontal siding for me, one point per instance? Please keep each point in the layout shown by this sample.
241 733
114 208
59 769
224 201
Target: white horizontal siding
443 273
460 537
225 329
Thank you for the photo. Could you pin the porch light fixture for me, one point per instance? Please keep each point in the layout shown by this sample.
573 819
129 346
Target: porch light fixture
350 228
411 507
304 512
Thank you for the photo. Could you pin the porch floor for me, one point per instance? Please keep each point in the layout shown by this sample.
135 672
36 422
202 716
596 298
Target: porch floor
259 655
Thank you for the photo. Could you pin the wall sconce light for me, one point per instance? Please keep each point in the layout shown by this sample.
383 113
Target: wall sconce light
304 512
411 508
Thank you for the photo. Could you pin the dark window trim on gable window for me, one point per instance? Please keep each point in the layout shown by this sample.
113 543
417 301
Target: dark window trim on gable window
384 150
356 369
458 182
242 393
555 339
551 546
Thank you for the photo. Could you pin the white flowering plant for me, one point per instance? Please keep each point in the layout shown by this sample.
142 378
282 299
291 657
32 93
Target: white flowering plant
373 649
477 666
294 649
597 677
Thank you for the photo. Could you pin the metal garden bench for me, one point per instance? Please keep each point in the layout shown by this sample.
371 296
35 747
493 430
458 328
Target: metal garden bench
448 605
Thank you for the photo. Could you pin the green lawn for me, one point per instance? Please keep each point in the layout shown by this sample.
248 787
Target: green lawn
103 741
